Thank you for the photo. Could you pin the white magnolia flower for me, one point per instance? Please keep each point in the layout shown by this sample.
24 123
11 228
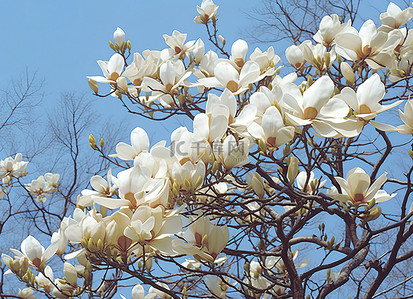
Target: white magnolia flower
356 188
177 43
233 153
318 56
407 118
35 252
138 292
239 51
227 76
395 17
149 226
45 280
330 26
119 36
315 107
188 176
26 293
207 10
266 60
226 105
368 44
216 286
312 185
43 186
112 69
365 102
295 56
204 240
272 131
139 69
10 167
139 144
102 191
172 76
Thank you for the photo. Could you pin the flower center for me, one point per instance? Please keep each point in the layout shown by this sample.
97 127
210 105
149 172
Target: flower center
272 141
232 86
137 82
310 113
239 61
114 76
131 197
364 109
358 197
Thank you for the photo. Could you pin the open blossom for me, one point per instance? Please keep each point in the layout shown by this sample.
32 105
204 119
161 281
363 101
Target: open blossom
318 56
315 107
266 60
102 191
10 167
356 188
407 118
227 76
368 44
35 252
330 26
149 227
394 17
233 153
139 144
365 102
204 240
138 292
272 131
112 69
172 76
216 286
43 186
207 10
177 44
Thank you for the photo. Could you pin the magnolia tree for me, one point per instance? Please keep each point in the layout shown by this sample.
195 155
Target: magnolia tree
276 190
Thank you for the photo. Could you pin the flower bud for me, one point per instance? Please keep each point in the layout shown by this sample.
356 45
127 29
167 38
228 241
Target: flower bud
93 85
119 36
347 72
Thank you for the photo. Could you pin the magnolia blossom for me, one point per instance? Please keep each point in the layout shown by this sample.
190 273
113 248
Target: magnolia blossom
312 185
119 36
407 118
233 153
227 76
272 130
365 102
34 252
45 280
151 229
207 10
27 293
216 286
103 190
356 188
204 240
177 43
318 56
138 292
10 167
266 60
172 75
295 56
112 69
139 69
43 186
314 107
368 44
139 144
394 17
330 26
226 105
239 51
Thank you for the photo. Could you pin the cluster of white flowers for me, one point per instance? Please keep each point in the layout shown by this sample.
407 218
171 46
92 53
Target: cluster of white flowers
252 107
